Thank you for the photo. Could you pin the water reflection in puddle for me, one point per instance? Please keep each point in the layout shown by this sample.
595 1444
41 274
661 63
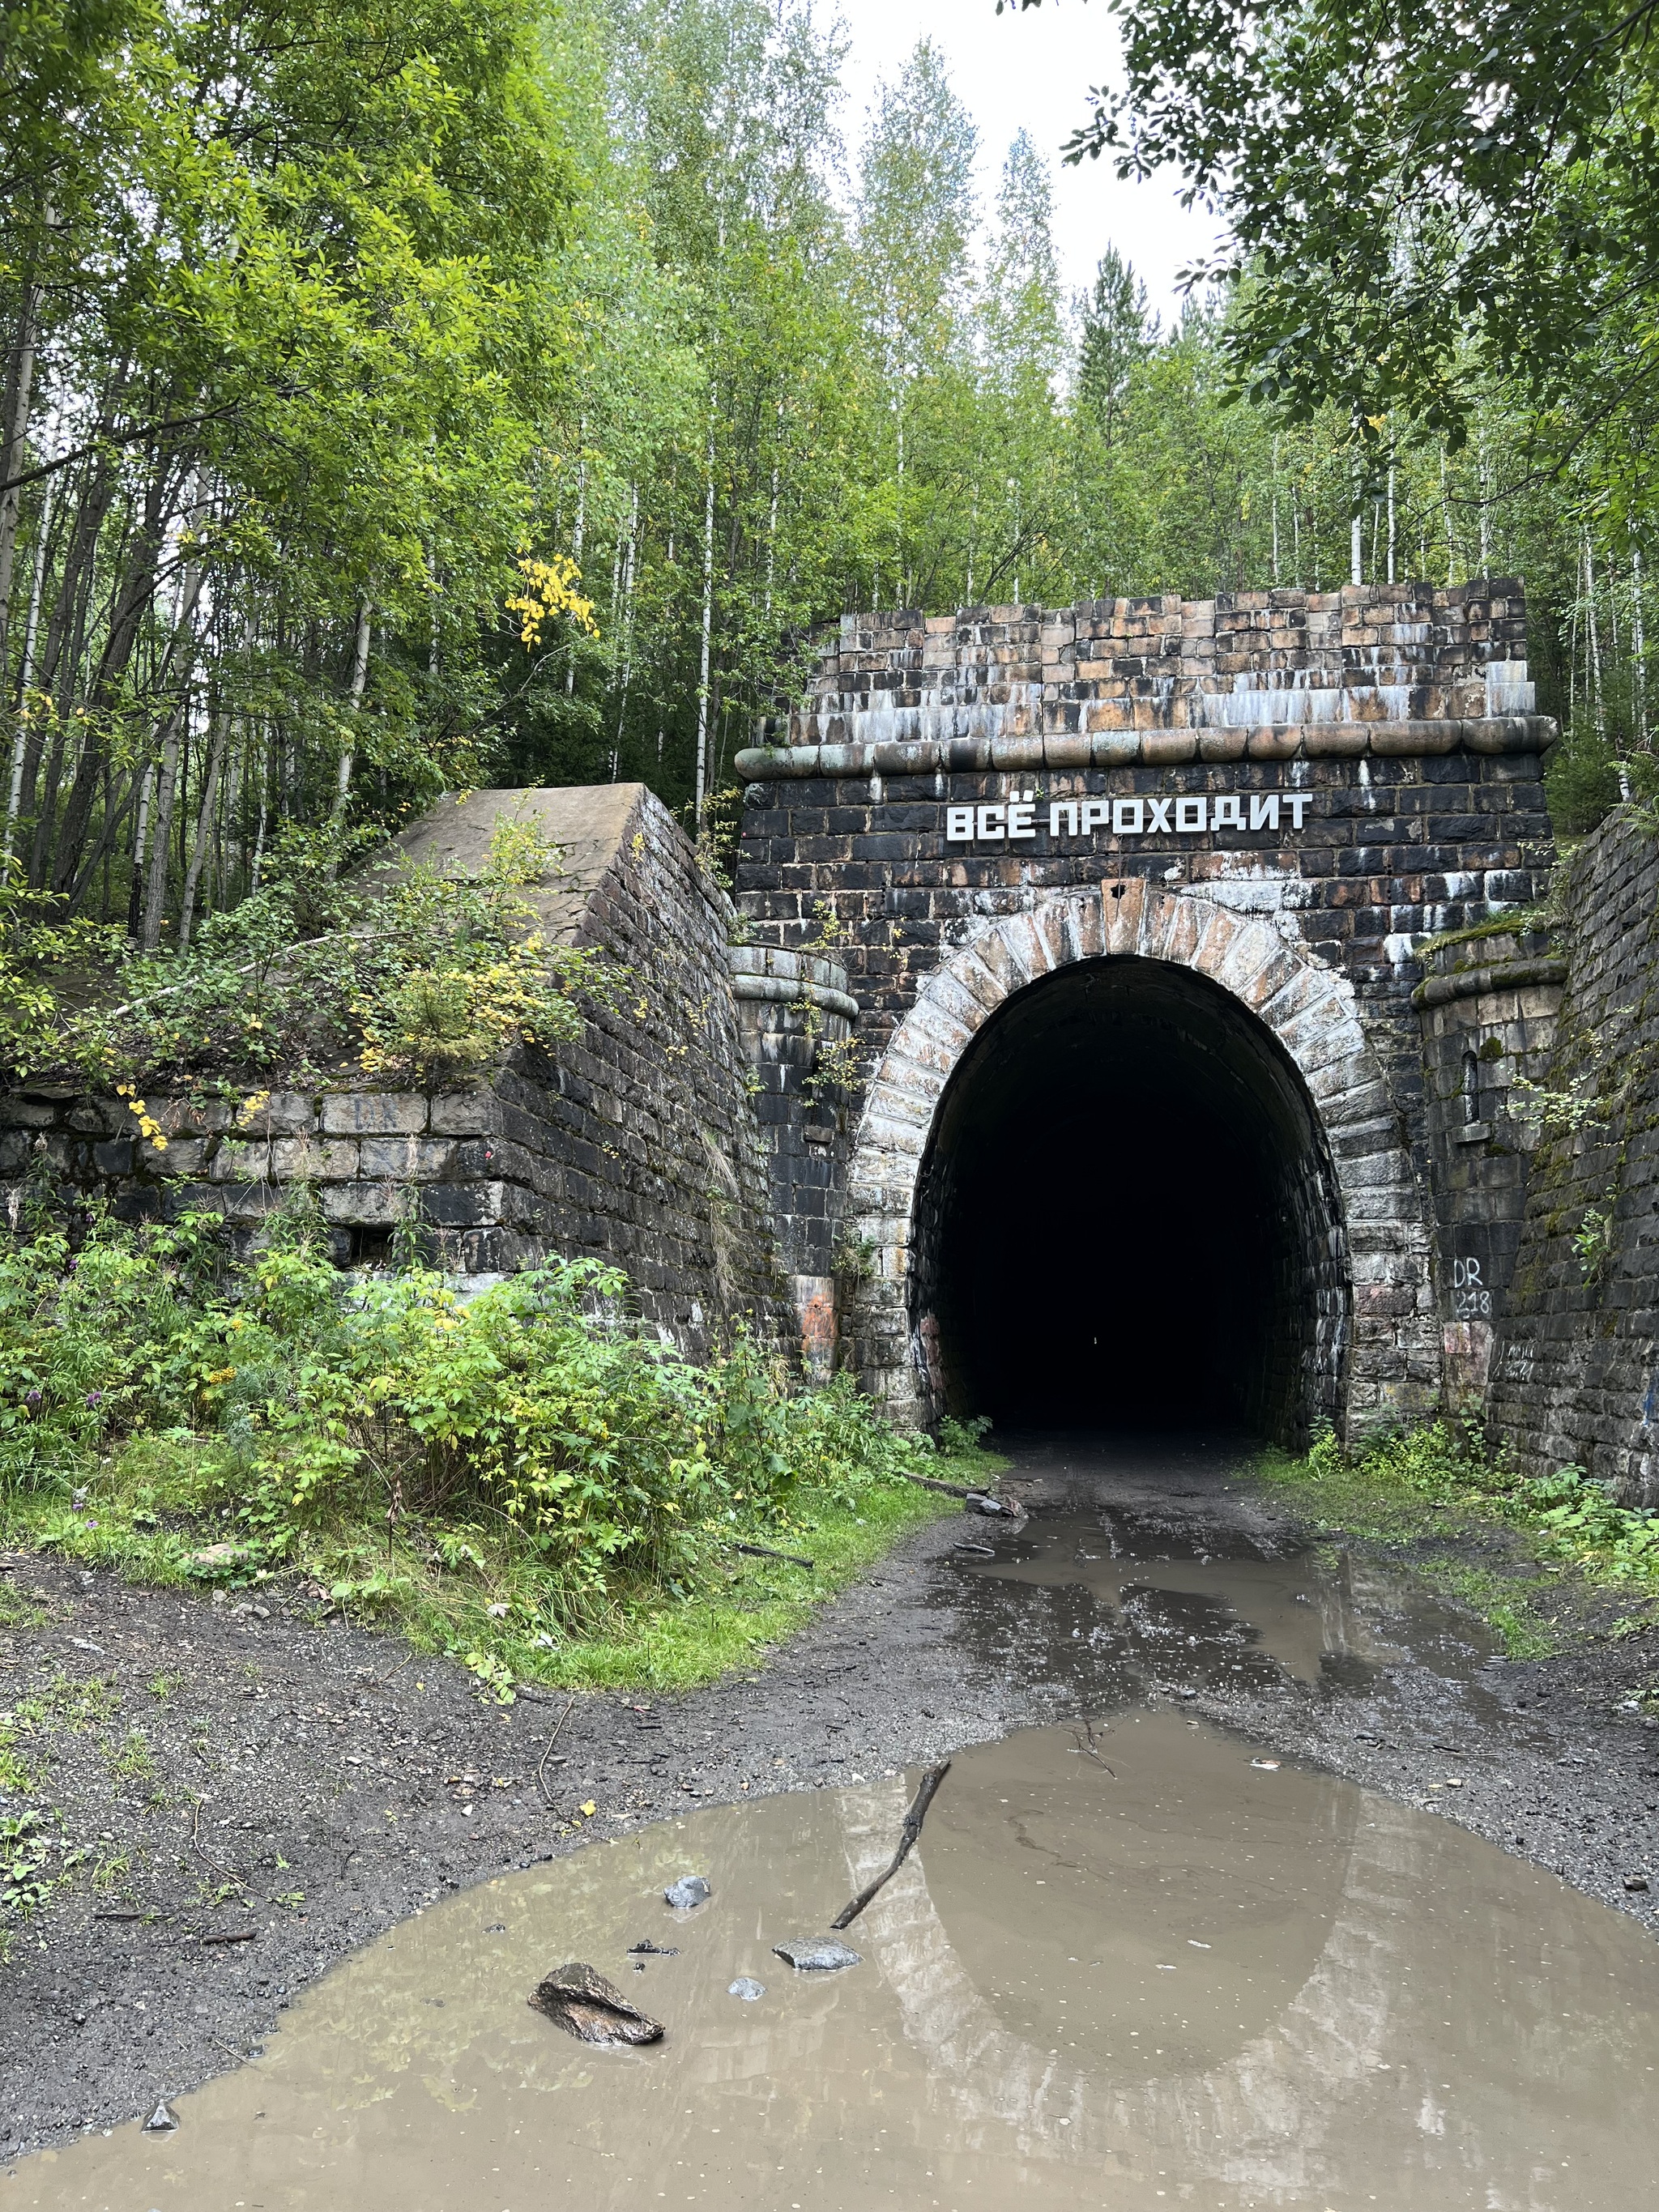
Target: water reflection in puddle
1206 1608
1119 1970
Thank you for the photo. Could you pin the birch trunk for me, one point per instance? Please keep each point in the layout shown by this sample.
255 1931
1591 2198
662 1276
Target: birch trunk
358 685
26 671
708 621
204 826
13 439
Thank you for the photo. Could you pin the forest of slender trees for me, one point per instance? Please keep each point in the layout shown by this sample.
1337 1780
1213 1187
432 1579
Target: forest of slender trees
501 392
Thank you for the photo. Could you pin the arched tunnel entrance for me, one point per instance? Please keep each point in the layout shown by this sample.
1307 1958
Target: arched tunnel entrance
1127 1216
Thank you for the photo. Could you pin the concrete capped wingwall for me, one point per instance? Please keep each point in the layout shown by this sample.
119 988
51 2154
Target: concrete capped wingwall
637 1145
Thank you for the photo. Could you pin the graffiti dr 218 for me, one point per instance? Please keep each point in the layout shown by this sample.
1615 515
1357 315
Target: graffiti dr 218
1199 815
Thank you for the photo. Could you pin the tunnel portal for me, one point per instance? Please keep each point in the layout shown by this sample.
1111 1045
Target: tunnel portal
1127 1216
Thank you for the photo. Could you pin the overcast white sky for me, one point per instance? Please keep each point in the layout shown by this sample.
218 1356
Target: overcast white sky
1033 70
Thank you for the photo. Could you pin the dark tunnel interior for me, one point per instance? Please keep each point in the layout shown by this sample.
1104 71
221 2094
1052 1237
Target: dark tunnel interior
1127 1216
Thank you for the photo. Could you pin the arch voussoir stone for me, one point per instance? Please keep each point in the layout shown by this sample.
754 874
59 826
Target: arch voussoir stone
1309 1007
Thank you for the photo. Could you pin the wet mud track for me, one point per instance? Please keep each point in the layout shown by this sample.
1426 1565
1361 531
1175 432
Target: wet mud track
1149 1586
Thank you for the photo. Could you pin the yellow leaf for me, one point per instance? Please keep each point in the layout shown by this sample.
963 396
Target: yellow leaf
590 1808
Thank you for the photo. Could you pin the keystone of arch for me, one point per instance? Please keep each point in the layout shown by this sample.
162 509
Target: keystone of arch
1309 1006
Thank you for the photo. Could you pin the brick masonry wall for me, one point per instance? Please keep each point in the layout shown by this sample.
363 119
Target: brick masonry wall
636 1145
1415 767
1576 1377
1243 661
1489 1008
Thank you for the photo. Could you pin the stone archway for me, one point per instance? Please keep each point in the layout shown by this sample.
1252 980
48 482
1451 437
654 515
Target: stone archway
1387 1359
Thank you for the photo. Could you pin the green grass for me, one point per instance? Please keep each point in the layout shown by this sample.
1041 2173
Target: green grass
758 1602
1575 1565
474 1589
1506 1603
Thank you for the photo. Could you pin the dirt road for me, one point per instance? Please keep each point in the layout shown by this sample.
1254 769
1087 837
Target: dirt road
255 1796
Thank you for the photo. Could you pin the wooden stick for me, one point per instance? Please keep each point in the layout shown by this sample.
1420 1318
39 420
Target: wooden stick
907 1834
541 1772
761 1551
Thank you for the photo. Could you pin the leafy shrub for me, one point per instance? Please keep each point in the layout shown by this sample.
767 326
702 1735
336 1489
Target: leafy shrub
321 974
1447 1463
315 1407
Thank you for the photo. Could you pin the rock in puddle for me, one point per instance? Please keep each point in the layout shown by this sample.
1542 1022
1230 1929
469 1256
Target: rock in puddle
593 2009
817 1955
689 1890
163 2120
647 1949
746 1988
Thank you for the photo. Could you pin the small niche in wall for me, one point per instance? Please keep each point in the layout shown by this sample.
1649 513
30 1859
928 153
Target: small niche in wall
370 1245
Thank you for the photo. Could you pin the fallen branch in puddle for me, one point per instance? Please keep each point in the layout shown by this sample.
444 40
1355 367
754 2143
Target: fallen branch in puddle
1089 1730
907 1834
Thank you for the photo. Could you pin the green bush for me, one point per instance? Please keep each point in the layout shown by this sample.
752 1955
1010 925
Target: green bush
1447 1464
361 1428
1581 779
325 973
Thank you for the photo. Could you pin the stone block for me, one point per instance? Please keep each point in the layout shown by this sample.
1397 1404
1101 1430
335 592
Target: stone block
463 1205
184 1156
20 1112
98 1117
407 1159
374 1113
367 1204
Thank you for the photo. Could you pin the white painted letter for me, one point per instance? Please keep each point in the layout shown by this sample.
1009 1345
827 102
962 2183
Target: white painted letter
1264 812
1297 801
1020 823
958 824
1128 815
1224 814
1192 815
991 819
1068 808
1158 815
1096 813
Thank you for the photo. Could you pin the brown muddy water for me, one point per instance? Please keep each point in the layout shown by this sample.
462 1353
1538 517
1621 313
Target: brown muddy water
1134 1961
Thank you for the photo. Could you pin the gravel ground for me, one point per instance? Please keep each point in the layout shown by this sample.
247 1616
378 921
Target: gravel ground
296 1789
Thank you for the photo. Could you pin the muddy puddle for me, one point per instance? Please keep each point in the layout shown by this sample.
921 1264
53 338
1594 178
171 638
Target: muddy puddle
1126 1965
1134 1960
1196 1603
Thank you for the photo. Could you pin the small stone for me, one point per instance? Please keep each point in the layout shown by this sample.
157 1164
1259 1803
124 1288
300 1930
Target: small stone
162 2121
747 1989
689 1891
582 2002
819 1954
1636 1882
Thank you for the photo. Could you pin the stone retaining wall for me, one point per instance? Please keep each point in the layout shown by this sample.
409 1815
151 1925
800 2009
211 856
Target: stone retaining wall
637 1144
1575 1378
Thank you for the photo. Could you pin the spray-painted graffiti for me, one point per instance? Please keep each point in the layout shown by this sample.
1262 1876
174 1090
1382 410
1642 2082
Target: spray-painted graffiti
1471 1299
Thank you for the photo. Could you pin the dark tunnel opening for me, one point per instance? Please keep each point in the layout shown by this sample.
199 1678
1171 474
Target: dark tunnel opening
1127 1216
